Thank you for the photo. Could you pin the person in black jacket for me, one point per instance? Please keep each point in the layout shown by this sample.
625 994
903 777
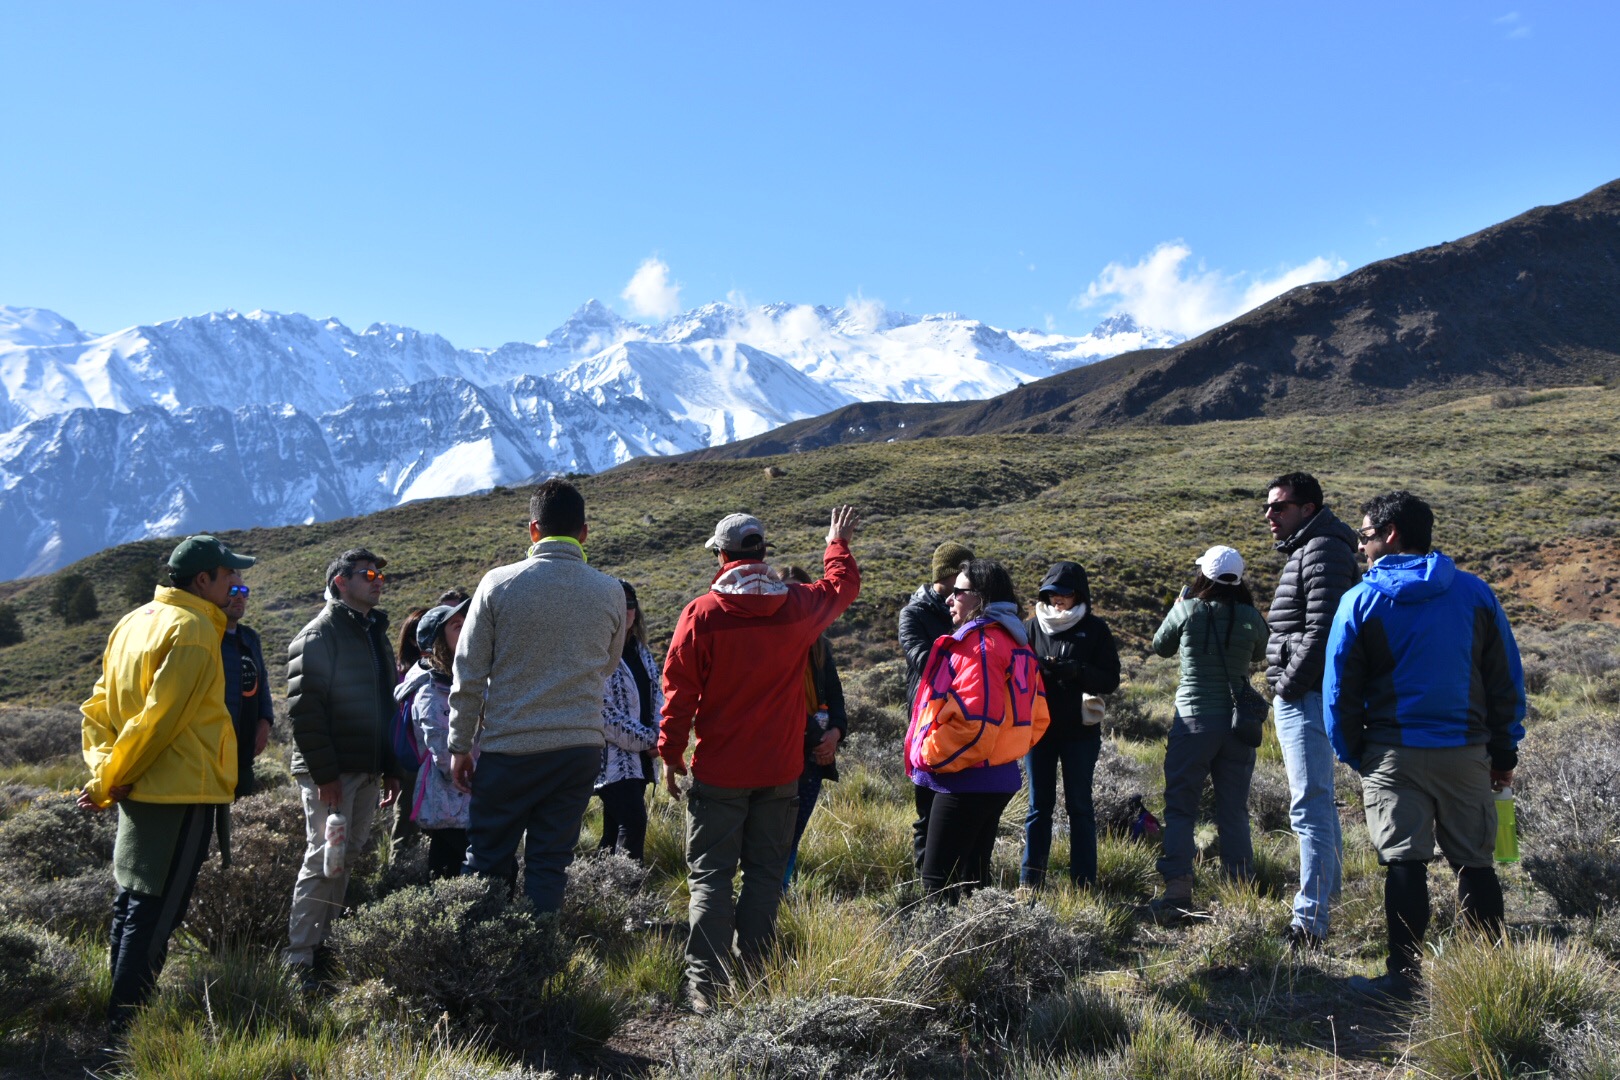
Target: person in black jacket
1321 568
924 620
247 689
825 725
1078 657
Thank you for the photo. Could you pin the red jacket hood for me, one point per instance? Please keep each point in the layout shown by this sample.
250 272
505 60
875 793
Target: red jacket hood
750 589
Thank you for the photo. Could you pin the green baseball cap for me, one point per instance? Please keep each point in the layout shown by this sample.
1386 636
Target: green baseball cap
198 554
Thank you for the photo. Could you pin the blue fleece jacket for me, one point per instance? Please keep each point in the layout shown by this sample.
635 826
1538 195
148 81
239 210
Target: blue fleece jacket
1421 654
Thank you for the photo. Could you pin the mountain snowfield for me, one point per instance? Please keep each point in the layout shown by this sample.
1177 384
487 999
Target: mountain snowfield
230 420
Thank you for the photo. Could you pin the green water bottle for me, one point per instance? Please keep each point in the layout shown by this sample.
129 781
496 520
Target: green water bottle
1507 829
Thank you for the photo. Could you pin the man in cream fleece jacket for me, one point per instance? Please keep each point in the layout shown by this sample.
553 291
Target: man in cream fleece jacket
541 638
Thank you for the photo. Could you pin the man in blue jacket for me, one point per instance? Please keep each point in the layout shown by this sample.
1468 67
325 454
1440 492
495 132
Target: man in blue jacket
1425 699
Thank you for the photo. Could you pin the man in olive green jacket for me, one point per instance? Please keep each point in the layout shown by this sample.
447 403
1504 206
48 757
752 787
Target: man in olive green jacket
159 744
340 683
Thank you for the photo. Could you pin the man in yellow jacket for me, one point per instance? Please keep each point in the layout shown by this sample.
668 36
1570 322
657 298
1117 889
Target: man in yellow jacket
160 744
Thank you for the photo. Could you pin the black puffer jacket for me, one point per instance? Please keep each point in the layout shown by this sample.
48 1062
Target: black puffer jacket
924 620
1321 568
340 694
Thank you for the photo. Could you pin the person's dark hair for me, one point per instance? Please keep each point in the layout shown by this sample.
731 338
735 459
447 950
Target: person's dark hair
405 649
183 581
753 549
1302 485
797 573
558 508
344 564
452 597
639 629
990 580
443 658
1203 588
1409 514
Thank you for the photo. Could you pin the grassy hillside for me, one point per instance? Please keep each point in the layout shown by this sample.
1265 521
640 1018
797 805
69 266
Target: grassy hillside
1512 476
864 981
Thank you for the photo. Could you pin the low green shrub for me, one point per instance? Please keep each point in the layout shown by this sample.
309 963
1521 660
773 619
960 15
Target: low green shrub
81 904
460 948
1081 1019
606 900
1568 810
985 959
1588 1051
1497 1011
1117 780
249 902
1166 1046
52 838
31 734
39 974
808 1039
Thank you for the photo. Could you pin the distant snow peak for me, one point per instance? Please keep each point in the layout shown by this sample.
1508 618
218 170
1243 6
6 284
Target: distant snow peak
228 420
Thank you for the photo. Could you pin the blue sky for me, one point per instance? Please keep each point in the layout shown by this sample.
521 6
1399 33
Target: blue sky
480 170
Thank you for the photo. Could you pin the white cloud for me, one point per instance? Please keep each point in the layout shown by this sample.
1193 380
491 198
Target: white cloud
1515 25
1168 292
650 291
864 311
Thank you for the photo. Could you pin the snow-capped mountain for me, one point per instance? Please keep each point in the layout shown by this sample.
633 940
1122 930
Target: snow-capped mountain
228 420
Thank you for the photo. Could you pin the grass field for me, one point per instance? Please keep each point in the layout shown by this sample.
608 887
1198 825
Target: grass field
864 981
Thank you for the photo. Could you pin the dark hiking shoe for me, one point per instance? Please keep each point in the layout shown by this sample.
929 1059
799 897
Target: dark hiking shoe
1388 990
1301 940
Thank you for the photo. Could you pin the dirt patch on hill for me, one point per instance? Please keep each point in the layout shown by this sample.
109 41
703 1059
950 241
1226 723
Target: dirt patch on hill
1569 581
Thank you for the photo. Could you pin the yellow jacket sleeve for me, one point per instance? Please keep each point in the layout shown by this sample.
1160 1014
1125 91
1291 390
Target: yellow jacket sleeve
177 692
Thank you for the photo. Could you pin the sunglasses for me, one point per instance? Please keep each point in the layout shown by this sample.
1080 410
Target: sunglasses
238 590
1370 533
1277 507
371 575
958 591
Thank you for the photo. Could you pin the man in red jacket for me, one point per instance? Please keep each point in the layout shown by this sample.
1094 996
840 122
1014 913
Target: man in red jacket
735 671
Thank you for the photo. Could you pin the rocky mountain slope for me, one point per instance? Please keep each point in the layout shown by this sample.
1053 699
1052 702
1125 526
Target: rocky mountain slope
1529 302
230 420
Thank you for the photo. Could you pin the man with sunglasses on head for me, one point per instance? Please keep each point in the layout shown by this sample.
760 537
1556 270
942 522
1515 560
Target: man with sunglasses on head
340 698
1321 568
247 688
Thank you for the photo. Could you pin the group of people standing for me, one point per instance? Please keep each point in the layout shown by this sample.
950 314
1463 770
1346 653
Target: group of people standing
1409 675
522 701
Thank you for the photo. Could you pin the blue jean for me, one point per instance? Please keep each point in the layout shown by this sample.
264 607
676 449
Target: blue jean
1078 756
1308 757
539 799
809 792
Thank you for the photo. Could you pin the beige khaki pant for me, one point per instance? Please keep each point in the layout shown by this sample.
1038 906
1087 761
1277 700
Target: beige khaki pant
318 899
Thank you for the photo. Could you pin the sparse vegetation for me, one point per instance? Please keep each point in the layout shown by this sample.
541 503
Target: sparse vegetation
439 982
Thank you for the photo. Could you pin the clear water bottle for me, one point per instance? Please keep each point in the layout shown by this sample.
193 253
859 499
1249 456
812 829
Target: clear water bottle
1507 829
337 845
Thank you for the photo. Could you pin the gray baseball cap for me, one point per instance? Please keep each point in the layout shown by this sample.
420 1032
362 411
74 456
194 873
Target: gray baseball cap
736 532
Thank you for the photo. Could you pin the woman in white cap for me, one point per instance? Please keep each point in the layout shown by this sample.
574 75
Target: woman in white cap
1219 634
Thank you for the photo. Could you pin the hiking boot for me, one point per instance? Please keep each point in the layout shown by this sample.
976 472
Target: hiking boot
1176 903
1301 940
1387 991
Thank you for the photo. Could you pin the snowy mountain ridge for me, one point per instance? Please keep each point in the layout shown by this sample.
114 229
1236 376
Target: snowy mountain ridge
114 437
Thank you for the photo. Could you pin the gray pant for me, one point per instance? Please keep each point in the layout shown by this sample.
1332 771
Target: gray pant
318 899
725 828
1202 746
